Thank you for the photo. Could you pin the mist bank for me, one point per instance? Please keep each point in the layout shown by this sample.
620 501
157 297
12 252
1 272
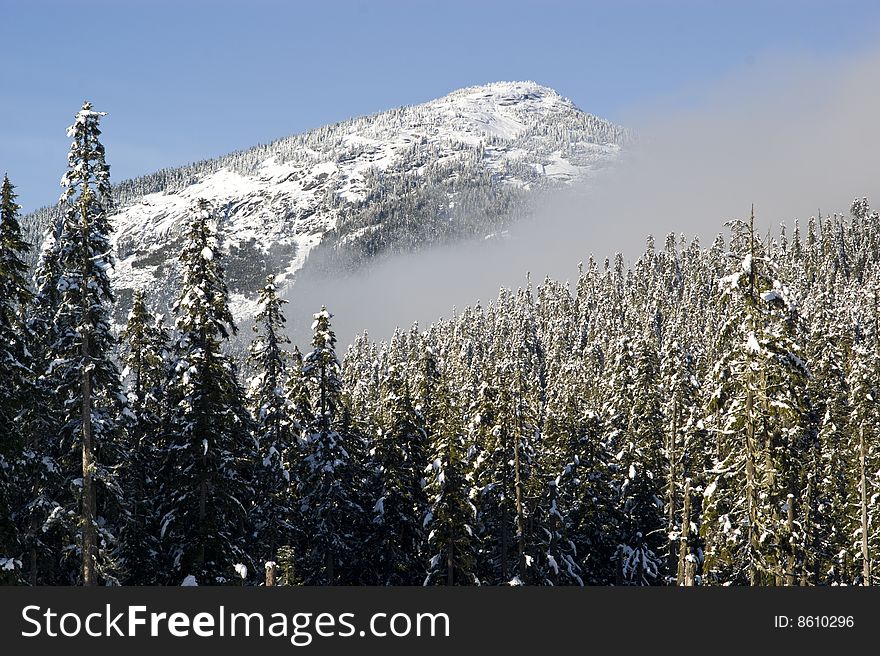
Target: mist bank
795 136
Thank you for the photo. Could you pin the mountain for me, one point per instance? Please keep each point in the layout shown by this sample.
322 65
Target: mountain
340 195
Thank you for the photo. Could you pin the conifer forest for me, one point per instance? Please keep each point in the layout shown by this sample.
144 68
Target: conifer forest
706 416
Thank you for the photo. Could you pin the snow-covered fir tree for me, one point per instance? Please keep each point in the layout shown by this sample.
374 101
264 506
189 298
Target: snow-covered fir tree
81 375
206 481
641 557
39 478
398 458
863 480
833 477
451 514
754 494
277 426
330 485
14 372
685 458
145 345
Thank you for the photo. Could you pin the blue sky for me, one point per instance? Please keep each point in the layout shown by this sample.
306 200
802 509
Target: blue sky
192 79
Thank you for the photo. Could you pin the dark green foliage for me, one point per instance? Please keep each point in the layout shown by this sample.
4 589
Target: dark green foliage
277 427
640 557
16 388
330 484
79 447
206 481
145 356
397 464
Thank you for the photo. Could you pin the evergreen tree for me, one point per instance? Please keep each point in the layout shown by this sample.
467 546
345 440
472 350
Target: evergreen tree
642 529
494 482
276 427
451 515
81 374
587 495
398 460
686 459
833 481
753 499
552 497
329 488
145 354
14 372
40 479
206 482
864 382
660 424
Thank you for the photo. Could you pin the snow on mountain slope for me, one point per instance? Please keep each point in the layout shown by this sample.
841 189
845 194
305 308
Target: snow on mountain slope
408 175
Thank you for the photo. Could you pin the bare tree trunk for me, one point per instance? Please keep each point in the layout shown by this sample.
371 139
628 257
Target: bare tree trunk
751 501
789 524
750 487
809 558
203 509
690 573
450 545
809 573
684 539
450 563
89 538
505 574
670 490
271 574
203 472
520 518
324 423
33 577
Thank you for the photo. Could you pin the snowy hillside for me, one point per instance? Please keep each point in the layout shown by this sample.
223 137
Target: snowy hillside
456 166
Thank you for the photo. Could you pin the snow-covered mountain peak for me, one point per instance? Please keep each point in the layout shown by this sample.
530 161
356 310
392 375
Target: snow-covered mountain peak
396 180
507 93
499 109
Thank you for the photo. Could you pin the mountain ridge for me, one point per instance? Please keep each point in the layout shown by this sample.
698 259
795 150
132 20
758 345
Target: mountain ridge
456 166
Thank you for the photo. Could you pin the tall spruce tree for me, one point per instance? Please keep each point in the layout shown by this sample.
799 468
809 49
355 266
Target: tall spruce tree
451 514
40 480
277 428
329 503
145 344
207 478
398 462
835 478
753 499
685 456
864 480
14 372
642 528
81 375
